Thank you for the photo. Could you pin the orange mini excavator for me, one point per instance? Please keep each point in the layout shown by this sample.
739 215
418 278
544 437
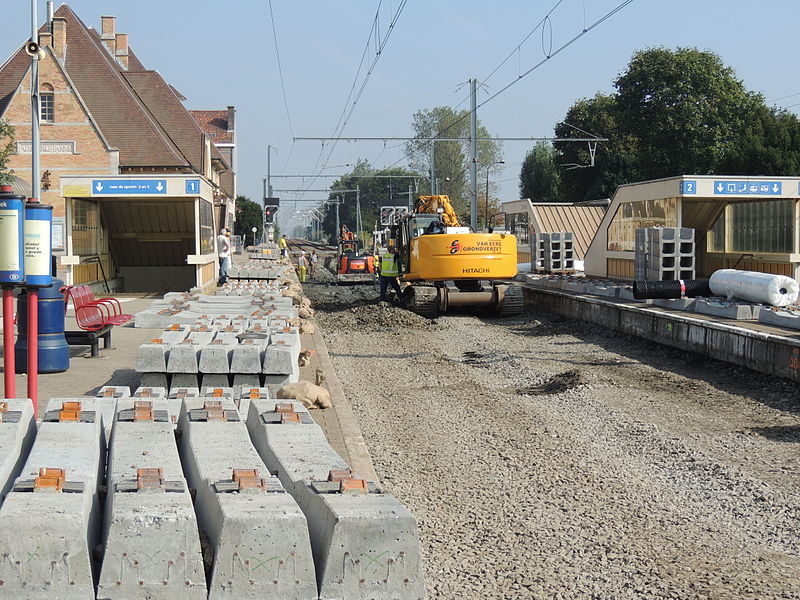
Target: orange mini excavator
354 265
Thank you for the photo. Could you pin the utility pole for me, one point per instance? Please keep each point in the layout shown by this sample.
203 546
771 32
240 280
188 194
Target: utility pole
36 176
473 163
433 168
358 212
410 203
338 227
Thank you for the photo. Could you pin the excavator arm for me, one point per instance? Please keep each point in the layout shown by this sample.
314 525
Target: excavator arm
432 204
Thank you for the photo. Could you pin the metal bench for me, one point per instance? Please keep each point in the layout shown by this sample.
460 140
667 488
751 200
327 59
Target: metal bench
95 317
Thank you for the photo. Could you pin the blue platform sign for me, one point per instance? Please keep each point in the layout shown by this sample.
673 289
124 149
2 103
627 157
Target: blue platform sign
688 187
192 186
749 188
113 187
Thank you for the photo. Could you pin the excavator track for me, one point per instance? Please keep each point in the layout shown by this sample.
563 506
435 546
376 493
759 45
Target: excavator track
512 303
422 300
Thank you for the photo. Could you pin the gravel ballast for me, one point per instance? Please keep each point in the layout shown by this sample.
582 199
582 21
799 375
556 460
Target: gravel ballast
546 458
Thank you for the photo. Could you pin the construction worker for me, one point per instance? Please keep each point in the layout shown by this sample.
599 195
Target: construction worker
283 245
302 266
390 269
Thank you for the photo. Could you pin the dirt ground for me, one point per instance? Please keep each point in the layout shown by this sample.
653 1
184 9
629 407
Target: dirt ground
546 458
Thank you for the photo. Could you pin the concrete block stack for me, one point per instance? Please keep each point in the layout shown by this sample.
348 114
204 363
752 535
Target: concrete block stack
537 251
557 251
664 254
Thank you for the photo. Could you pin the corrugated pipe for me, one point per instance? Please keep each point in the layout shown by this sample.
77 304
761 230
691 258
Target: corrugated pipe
675 288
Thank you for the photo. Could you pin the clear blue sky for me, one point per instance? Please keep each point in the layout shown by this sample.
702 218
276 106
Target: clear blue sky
226 55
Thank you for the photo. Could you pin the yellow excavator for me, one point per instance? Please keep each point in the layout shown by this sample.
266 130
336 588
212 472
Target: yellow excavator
447 265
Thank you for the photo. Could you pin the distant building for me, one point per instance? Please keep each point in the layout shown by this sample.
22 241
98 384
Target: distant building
220 125
524 217
132 176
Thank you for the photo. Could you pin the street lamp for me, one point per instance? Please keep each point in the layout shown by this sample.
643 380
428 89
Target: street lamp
488 168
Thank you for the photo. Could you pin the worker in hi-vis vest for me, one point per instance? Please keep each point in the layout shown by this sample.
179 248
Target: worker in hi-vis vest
390 269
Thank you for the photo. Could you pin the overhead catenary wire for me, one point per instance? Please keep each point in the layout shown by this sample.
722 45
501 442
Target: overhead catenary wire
346 114
280 68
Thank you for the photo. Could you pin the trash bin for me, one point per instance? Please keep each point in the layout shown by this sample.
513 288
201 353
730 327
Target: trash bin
53 348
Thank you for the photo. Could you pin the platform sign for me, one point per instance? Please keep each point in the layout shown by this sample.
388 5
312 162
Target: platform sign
192 186
748 188
116 187
688 187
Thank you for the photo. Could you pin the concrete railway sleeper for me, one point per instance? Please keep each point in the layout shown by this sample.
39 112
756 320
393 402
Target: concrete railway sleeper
258 533
365 542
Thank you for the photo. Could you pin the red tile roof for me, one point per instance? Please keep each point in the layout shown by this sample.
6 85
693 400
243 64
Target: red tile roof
135 109
215 124
11 74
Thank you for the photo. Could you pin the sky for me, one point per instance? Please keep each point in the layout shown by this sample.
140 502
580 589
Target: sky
228 55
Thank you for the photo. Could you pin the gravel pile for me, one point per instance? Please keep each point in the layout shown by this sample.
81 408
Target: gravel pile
550 459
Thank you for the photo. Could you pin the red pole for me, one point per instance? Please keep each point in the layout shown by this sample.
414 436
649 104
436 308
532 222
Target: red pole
9 368
33 349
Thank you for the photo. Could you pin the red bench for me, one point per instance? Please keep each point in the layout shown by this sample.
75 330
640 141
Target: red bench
95 316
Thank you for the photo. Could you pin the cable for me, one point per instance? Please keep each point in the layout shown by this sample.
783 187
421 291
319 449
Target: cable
559 50
784 97
525 39
280 68
345 117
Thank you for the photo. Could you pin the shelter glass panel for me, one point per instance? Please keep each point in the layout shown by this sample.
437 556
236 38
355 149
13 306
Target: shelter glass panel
763 227
517 224
85 227
206 227
630 216
716 235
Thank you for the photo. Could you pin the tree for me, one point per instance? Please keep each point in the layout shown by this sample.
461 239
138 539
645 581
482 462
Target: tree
248 215
686 108
676 112
6 132
540 176
452 158
615 160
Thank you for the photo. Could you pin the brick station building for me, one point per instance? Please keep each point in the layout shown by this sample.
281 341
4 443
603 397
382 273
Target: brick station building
139 187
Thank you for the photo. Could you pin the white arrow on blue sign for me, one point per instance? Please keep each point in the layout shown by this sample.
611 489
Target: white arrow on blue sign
129 186
749 188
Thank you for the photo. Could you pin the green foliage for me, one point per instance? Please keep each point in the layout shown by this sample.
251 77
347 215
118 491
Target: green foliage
675 112
248 215
452 158
540 175
6 132
374 192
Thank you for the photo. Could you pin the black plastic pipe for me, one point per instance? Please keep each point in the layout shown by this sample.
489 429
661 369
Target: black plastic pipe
671 289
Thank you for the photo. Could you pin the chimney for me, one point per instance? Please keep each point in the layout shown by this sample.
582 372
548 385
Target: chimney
60 37
46 40
231 119
122 49
107 33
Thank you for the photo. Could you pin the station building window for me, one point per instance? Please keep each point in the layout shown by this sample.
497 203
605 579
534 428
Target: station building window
754 227
206 227
47 103
630 216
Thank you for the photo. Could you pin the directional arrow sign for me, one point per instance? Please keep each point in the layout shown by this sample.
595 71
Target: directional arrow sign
118 187
748 188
